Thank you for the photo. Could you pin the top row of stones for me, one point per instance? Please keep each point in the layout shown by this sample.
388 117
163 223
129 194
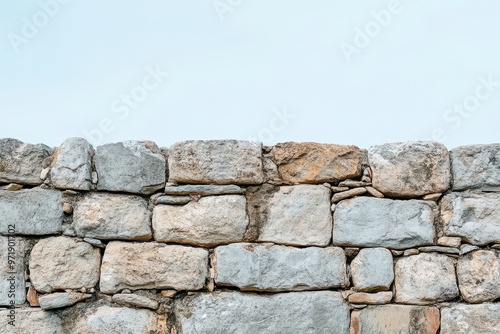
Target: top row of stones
401 170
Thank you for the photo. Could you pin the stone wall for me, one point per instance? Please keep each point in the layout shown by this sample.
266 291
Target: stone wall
228 236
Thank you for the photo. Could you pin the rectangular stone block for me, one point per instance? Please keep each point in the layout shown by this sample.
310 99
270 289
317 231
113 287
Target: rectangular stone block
470 319
72 165
29 321
210 221
395 319
130 166
22 163
235 312
316 163
267 267
291 215
216 162
33 211
425 278
151 265
473 217
476 167
380 222
112 216
410 169
12 280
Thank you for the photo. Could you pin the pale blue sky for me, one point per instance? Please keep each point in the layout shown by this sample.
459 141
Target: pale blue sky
234 64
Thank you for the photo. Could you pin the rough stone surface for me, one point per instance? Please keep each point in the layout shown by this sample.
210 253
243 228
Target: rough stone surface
117 320
473 217
466 248
425 278
173 200
216 162
383 297
379 222
30 321
316 163
22 163
135 300
61 299
470 319
372 269
449 241
395 319
479 276
130 166
211 221
439 249
60 263
152 265
374 192
279 268
235 312
204 190
476 166
72 165
112 216
12 272
410 169
33 211
348 194
293 215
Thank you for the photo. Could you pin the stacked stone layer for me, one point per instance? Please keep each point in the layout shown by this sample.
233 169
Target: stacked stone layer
228 236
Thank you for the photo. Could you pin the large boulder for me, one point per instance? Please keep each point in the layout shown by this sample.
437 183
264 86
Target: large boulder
476 167
470 319
372 269
479 276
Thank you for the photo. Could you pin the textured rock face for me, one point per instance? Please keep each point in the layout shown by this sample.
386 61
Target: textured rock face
479 276
204 190
12 273
61 299
135 300
425 279
216 162
474 217
118 320
476 166
293 215
130 166
29 321
316 163
383 297
410 169
112 216
470 319
211 221
72 166
395 319
372 269
60 263
152 265
235 312
378 222
33 211
22 163
279 268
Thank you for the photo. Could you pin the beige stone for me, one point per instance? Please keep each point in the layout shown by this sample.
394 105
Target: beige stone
410 169
32 297
135 300
211 221
449 241
216 162
479 276
112 216
425 278
152 265
59 263
395 319
374 192
383 297
348 194
30 321
316 163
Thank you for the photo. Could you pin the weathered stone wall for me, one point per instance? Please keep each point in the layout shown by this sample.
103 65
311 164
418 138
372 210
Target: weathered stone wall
231 237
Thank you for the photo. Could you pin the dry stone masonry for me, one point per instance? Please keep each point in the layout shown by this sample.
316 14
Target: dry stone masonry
227 236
